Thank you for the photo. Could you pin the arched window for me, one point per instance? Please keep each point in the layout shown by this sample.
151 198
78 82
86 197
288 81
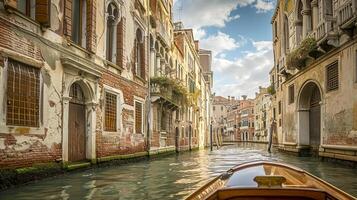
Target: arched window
111 39
139 54
299 22
286 34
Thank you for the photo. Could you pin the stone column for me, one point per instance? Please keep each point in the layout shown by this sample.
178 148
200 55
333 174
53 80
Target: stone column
306 25
91 130
152 62
315 14
65 100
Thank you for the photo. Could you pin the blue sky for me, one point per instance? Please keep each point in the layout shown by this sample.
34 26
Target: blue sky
239 34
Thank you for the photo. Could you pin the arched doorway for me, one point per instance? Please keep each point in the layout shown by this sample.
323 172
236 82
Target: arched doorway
310 116
76 124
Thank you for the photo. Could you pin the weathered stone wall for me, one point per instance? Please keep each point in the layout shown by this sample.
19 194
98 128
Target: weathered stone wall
338 108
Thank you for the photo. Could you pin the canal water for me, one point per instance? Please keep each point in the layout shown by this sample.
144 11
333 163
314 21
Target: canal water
172 177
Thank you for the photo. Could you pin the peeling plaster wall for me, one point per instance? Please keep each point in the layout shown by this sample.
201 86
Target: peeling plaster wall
338 108
25 146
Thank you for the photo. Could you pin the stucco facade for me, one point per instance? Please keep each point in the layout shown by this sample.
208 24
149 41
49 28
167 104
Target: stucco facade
318 99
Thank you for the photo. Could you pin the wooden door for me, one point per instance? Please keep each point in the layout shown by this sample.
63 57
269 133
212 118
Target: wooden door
315 118
76 125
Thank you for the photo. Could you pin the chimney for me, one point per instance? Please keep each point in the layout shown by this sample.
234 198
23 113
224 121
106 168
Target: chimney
244 97
197 46
229 98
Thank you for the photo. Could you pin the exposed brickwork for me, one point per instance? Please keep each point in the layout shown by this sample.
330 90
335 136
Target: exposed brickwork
120 43
11 40
125 141
37 152
91 25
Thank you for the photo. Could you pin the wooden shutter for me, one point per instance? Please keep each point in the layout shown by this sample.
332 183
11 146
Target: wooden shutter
43 10
120 42
91 25
135 55
332 76
68 18
142 59
138 117
11 3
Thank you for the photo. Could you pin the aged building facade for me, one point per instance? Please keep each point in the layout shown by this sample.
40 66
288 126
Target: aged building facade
263 115
315 77
75 81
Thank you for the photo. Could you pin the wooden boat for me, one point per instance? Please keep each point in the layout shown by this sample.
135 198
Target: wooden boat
268 180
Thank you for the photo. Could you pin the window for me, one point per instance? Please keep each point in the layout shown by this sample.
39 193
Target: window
279 122
112 20
139 54
214 108
221 108
110 112
138 117
279 107
332 77
27 7
291 94
23 95
79 22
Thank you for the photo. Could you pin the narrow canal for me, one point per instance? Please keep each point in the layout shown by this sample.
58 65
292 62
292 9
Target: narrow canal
172 177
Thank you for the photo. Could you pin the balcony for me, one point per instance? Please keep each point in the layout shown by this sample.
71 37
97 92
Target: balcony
346 14
168 92
164 94
163 33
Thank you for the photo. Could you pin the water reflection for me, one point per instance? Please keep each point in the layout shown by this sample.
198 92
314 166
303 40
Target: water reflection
170 178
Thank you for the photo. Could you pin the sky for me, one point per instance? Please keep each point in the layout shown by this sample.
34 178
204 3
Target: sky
239 34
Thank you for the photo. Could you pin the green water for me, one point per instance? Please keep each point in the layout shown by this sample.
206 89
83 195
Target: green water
171 177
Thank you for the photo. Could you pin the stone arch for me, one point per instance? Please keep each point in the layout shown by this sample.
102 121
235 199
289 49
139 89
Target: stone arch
88 91
309 115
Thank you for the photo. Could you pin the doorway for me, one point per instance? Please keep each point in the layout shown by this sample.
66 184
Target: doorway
76 125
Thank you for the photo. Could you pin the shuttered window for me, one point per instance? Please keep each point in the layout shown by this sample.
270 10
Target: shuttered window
138 117
38 10
23 95
291 94
110 123
332 82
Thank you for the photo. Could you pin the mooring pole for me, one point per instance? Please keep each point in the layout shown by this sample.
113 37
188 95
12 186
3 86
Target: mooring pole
211 136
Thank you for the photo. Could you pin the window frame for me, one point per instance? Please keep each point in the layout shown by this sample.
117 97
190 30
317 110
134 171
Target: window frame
82 26
119 104
105 112
291 94
141 101
5 92
116 20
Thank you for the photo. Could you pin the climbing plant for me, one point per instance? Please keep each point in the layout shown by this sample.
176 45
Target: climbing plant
298 57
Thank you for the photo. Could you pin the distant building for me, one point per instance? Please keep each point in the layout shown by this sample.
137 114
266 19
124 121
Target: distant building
262 113
246 119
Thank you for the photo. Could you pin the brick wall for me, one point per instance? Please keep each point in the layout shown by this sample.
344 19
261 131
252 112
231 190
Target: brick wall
36 153
11 40
125 141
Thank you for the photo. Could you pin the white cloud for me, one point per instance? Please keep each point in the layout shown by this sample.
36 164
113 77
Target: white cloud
244 75
221 42
264 5
204 13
